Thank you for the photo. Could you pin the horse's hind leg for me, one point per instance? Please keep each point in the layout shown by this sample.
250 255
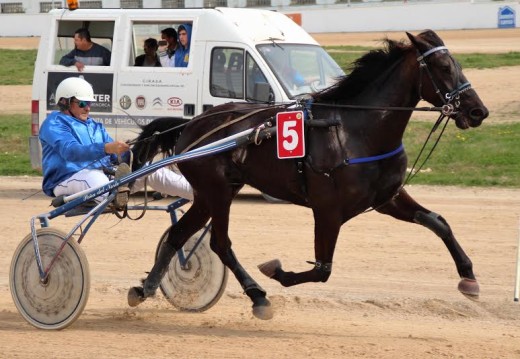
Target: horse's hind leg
193 220
405 208
221 245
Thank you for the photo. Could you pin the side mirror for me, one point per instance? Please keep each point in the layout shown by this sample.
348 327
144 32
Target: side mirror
262 92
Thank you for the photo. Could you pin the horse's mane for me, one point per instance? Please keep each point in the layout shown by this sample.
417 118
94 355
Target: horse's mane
159 136
364 71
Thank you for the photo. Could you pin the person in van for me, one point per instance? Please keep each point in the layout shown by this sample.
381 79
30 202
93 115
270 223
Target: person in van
150 57
86 52
76 149
167 55
182 55
279 60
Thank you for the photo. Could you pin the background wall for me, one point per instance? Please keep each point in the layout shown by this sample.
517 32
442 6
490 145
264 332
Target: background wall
393 16
329 17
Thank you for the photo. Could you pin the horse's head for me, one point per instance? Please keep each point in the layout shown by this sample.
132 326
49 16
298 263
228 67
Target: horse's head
443 82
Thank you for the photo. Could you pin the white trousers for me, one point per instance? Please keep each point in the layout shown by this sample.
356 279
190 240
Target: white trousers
82 180
162 180
166 181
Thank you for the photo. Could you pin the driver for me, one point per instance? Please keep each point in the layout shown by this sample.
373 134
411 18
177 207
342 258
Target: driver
76 149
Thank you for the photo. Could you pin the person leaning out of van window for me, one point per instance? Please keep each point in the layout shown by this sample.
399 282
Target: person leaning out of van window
182 54
150 57
166 55
86 52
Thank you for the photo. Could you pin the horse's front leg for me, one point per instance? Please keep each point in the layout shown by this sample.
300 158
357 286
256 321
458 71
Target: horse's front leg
405 208
326 229
192 221
221 245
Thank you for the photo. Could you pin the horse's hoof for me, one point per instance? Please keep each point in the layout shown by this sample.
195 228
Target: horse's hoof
264 312
269 268
135 296
469 288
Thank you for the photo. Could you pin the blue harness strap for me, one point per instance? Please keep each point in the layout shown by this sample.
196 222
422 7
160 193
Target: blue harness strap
352 161
307 114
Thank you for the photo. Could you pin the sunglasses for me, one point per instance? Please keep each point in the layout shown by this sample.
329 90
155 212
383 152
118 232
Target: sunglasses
83 104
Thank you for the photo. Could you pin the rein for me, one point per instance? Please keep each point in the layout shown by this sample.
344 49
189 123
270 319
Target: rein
443 109
200 117
413 171
446 110
450 106
224 125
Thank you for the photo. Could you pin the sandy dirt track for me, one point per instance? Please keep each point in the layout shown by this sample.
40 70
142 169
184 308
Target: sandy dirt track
392 293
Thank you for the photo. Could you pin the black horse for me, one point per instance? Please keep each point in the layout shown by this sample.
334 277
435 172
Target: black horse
354 161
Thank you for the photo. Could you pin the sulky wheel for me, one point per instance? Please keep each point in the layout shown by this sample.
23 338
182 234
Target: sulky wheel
58 301
200 285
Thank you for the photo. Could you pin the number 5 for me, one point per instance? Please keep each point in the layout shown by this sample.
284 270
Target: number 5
290 136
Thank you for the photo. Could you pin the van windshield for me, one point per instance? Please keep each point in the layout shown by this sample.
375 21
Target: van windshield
300 68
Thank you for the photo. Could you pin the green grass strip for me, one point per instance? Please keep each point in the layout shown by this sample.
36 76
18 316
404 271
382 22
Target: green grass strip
17 67
484 156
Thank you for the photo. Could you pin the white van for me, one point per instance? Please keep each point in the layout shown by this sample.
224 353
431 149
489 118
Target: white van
235 55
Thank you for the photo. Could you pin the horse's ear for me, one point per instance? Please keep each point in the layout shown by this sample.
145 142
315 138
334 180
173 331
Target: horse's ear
419 43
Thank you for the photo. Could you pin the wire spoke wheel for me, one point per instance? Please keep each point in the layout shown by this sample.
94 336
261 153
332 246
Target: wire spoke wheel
59 300
200 284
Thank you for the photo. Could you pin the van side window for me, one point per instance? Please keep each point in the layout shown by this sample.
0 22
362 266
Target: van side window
227 72
171 51
101 33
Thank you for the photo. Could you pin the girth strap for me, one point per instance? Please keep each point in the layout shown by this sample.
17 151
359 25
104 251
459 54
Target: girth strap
351 161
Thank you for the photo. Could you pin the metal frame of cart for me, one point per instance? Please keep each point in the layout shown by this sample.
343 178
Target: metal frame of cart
49 275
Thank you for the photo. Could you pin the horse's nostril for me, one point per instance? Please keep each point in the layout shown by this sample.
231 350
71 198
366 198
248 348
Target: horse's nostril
478 113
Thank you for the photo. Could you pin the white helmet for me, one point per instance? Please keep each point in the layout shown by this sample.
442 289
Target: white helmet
75 87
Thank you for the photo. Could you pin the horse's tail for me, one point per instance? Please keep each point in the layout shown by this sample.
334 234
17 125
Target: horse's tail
159 136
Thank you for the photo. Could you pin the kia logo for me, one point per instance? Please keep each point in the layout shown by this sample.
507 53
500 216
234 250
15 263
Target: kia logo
174 101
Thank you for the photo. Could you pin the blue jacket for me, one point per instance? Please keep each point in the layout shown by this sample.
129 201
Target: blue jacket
70 145
182 54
